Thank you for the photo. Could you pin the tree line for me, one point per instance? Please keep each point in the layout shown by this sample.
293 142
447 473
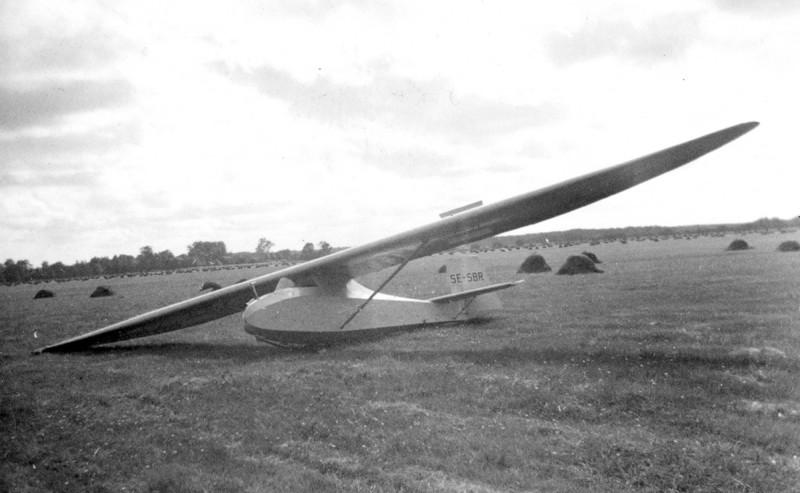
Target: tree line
199 254
204 253
763 224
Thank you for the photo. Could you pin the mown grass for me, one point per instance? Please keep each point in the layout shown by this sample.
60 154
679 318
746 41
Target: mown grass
675 370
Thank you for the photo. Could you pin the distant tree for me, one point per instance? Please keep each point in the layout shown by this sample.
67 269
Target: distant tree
324 248
9 273
497 244
82 269
165 260
98 265
121 264
263 248
182 261
36 272
307 253
18 271
284 254
207 252
57 270
766 223
146 259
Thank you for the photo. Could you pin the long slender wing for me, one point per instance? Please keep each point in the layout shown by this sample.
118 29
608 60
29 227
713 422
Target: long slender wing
475 224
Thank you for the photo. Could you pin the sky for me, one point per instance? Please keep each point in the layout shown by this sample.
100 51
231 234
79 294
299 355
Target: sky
152 123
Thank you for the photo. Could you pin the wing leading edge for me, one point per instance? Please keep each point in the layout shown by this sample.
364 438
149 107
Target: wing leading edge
473 225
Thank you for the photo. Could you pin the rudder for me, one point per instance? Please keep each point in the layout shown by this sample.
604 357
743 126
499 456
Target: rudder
464 273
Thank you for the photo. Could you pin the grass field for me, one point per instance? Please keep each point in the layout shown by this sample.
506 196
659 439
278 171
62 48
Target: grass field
678 369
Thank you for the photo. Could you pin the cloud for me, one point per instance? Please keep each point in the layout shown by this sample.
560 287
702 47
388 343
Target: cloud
660 39
36 54
409 162
65 145
425 107
37 38
52 101
761 7
48 178
320 9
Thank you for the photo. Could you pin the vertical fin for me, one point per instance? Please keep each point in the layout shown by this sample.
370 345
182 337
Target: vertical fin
464 273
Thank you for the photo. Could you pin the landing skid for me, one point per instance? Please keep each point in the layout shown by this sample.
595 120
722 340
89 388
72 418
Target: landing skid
284 345
368 335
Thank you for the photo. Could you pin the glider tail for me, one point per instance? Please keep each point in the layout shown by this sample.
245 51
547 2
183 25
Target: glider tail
465 273
469 282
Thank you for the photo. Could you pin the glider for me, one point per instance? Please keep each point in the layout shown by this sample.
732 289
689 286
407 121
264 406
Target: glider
319 302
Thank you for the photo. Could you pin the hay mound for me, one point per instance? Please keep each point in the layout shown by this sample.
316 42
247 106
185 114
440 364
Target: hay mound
592 257
101 291
578 264
789 246
210 285
534 264
442 269
43 293
737 245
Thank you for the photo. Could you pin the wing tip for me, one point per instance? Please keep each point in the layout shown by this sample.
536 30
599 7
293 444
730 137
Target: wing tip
743 128
79 343
53 348
750 125
737 131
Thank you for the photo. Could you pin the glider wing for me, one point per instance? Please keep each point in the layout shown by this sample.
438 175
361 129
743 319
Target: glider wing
473 225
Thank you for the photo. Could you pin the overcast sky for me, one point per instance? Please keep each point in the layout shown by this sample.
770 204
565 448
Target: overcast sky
125 124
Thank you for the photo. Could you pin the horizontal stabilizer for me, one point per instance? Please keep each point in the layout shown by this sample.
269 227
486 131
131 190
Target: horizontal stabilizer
449 298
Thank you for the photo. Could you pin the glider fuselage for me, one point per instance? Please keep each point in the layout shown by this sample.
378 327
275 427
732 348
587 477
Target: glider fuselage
319 316
345 310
